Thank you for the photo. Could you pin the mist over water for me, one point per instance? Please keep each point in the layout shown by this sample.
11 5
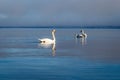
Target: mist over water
95 58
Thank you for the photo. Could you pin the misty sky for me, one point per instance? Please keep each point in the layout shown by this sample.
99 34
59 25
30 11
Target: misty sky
59 12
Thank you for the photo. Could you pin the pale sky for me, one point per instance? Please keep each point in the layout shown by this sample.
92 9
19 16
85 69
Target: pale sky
59 12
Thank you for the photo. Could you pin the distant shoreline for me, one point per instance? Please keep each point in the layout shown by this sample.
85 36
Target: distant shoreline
65 27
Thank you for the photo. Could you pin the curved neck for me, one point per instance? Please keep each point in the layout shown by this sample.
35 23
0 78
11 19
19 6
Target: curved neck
53 36
83 32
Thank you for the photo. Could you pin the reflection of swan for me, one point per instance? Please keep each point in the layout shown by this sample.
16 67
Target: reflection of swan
47 40
82 35
53 49
44 45
83 41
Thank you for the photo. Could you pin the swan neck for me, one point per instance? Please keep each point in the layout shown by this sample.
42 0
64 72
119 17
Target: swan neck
83 32
53 35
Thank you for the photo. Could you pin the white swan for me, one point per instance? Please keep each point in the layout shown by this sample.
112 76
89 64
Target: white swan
47 40
82 35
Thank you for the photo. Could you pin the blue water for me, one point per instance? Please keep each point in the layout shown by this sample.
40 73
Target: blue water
22 57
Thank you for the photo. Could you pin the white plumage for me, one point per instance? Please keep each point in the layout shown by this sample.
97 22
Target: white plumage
47 40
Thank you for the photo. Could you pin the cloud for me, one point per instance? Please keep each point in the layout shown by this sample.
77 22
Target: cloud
60 12
3 16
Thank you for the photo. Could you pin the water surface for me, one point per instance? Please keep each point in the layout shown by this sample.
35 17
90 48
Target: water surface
22 57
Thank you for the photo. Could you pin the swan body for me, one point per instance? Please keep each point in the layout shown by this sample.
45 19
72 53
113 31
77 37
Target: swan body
79 36
82 35
47 40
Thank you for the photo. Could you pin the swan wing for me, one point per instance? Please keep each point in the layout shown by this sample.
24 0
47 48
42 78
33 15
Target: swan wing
46 40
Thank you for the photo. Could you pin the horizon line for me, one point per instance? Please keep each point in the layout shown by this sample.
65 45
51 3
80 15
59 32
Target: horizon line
99 27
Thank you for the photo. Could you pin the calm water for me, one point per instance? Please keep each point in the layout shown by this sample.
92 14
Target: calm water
22 57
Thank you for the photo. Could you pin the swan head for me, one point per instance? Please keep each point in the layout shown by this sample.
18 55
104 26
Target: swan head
82 31
53 30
